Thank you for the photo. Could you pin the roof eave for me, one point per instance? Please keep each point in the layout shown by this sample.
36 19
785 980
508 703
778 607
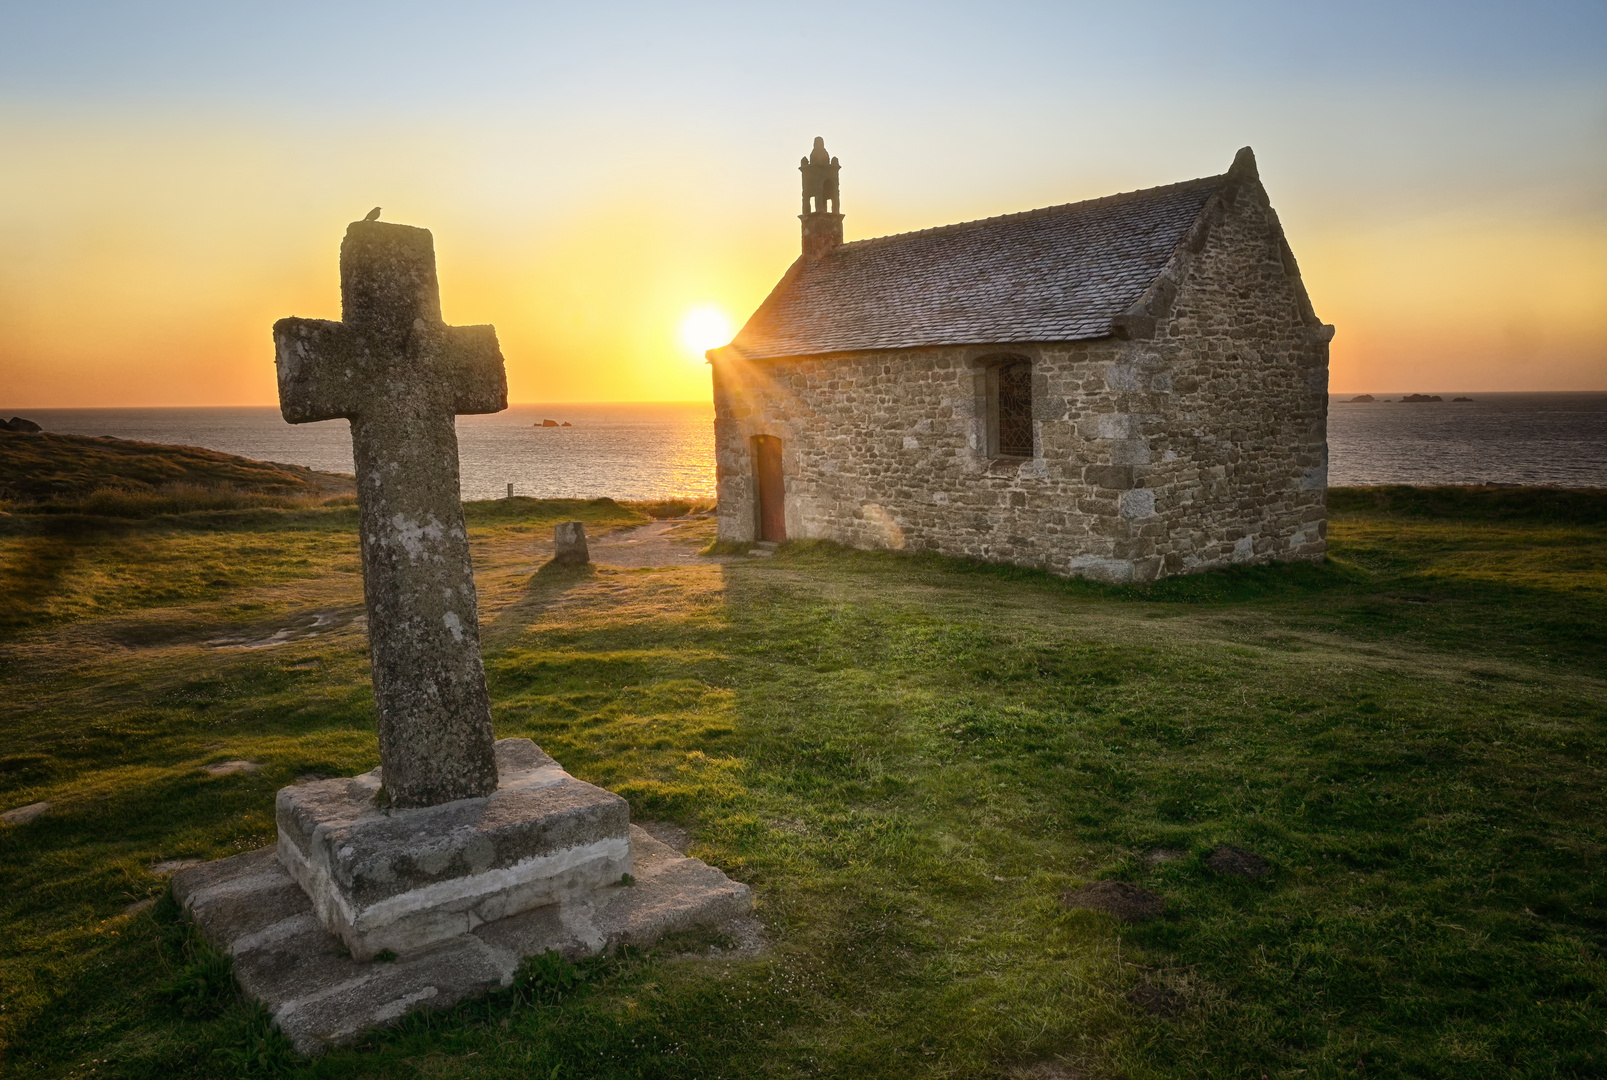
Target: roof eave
736 352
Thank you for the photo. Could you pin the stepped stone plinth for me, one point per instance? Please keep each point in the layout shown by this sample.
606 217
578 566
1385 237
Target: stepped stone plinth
321 996
401 880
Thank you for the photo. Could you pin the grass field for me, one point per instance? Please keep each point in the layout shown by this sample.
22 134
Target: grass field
908 758
49 473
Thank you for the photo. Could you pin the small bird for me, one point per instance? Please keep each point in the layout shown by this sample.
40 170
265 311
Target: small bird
373 215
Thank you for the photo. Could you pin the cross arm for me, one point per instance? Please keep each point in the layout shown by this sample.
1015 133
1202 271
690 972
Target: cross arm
473 365
322 373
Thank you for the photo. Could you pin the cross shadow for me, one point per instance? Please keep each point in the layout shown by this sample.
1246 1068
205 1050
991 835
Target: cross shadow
34 569
551 582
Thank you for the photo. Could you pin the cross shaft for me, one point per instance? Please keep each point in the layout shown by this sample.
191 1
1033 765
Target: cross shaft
399 374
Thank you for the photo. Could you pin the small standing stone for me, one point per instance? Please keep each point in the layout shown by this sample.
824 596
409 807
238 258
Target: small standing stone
569 540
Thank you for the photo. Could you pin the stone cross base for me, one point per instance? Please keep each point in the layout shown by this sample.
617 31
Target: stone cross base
402 880
320 995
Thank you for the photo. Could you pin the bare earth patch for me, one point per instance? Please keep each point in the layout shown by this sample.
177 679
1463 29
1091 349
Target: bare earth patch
1127 902
1044 1070
1236 862
229 768
1156 1000
310 625
659 543
1165 855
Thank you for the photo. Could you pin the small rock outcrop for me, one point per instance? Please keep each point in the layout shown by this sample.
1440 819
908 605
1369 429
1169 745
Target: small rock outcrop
24 814
17 423
1415 399
1362 399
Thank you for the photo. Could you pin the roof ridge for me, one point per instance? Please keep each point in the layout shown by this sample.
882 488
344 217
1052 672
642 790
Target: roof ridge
1044 211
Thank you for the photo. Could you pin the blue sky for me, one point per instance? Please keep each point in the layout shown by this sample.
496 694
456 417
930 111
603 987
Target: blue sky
371 55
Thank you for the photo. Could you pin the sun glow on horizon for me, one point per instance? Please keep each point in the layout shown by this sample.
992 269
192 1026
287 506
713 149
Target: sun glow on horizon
703 328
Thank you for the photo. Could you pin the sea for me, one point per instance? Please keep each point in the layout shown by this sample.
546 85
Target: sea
658 451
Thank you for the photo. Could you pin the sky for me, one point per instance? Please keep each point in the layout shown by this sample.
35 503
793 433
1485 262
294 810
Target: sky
612 183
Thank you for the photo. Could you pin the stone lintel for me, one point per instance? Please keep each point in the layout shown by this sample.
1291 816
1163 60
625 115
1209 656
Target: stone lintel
320 996
403 880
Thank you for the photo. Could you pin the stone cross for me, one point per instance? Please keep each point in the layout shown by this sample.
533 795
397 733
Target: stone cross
396 371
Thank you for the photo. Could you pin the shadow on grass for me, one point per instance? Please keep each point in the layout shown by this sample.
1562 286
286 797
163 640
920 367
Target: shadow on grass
250 519
1411 600
1224 585
185 1016
33 572
1575 506
551 582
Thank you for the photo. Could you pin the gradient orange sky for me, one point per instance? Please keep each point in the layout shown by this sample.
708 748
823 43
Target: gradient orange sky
176 177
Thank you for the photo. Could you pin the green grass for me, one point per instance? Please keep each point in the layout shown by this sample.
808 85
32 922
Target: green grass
908 758
46 472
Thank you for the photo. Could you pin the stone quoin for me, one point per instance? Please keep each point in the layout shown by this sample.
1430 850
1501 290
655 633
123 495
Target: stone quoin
1122 389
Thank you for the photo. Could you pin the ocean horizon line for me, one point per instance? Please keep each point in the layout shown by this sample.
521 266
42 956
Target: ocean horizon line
709 403
659 449
512 404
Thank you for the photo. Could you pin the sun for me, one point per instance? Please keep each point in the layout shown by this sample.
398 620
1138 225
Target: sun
703 328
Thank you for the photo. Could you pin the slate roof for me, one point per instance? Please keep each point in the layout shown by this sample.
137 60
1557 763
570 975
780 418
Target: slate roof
1057 274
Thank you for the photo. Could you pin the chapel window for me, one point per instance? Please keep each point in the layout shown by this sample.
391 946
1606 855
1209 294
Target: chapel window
1013 409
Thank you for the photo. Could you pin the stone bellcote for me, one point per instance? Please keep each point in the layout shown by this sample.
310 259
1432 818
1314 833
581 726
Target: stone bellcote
822 215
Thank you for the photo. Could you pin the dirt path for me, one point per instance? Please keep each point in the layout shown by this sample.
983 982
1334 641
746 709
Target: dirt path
676 542
504 581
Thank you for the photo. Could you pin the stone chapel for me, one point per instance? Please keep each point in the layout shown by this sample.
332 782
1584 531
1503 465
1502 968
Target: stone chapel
1121 389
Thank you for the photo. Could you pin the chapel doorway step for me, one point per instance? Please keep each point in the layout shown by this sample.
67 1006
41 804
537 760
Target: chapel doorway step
763 549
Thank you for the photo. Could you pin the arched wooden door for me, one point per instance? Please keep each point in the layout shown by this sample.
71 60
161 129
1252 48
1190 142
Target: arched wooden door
772 489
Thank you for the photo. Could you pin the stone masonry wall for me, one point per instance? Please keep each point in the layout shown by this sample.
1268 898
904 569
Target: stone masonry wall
1196 440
